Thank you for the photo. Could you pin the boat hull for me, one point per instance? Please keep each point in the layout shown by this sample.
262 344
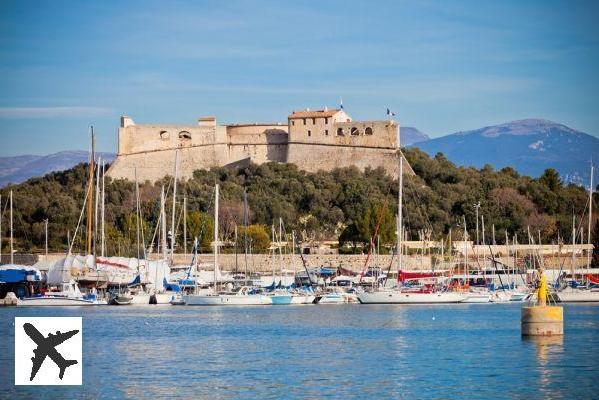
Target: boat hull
396 297
302 299
55 301
226 300
578 296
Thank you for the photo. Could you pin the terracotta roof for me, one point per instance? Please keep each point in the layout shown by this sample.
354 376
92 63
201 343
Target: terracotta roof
313 114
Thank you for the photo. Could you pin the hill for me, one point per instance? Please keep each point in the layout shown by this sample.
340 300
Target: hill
529 146
20 168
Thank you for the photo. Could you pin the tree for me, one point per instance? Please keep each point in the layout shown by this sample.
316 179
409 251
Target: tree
257 236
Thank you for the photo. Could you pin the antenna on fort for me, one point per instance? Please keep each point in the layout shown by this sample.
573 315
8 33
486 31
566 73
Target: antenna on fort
341 103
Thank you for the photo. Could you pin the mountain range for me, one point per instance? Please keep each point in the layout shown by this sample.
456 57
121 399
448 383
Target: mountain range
20 168
529 146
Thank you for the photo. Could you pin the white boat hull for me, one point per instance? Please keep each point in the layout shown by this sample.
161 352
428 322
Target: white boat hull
302 299
140 299
226 300
397 297
578 296
477 298
56 301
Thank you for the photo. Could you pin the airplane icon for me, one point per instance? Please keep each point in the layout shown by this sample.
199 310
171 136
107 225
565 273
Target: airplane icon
46 346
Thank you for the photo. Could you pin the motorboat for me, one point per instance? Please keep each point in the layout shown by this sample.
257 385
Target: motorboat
337 295
70 295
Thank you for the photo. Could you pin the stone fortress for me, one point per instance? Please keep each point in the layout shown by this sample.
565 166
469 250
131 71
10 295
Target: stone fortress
313 140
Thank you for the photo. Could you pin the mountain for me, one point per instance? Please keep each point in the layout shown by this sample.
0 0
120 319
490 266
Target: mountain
411 135
20 168
529 146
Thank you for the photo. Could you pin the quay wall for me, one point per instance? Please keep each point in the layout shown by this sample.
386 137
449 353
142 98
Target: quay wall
353 262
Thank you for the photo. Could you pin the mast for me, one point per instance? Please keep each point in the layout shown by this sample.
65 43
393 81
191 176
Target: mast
137 217
90 203
102 244
245 231
96 198
465 247
184 224
590 219
400 217
0 229
216 193
477 206
174 204
12 261
46 229
573 272
163 224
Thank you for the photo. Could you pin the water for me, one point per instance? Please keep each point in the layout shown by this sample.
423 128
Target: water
354 351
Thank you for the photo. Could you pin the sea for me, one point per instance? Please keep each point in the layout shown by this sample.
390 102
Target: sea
318 352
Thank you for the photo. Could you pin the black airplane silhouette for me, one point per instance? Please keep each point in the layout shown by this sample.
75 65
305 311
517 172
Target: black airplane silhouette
46 347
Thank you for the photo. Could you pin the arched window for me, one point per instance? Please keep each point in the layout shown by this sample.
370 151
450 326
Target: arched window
368 131
185 135
354 131
164 135
340 132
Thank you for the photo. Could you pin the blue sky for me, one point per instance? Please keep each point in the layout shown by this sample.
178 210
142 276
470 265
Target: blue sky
441 66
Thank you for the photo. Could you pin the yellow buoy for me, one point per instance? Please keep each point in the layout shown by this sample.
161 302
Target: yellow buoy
541 319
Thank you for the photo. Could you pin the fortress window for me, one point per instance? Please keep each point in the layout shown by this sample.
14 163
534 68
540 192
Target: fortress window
368 131
292 122
309 133
313 121
304 119
164 135
340 132
326 132
354 131
185 135
326 120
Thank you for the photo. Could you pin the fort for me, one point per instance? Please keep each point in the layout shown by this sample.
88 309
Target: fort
313 140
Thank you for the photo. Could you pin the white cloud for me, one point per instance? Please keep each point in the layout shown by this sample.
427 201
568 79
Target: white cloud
51 112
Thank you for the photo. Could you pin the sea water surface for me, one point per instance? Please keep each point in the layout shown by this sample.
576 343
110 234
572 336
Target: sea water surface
354 351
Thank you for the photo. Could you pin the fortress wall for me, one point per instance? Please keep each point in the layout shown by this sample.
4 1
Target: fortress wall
315 157
262 143
141 138
155 165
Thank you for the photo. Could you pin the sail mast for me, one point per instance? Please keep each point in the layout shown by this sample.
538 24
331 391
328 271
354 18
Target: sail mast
216 193
590 220
90 203
12 261
174 205
400 216
102 240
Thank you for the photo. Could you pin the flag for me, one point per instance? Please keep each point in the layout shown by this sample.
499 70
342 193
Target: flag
341 103
390 113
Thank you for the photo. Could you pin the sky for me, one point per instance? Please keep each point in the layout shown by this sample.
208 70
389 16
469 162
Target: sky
441 66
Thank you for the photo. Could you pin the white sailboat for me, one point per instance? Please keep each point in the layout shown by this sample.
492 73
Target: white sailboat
400 295
244 296
582 294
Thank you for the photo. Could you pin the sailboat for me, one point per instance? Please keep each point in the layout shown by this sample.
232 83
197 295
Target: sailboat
245 295
581 293
402 295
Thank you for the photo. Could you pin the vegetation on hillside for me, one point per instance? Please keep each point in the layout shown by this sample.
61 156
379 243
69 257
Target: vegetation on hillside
343 204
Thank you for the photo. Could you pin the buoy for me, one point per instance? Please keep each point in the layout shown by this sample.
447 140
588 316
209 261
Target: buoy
541 319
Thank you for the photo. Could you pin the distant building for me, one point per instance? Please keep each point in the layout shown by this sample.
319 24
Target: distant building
313 140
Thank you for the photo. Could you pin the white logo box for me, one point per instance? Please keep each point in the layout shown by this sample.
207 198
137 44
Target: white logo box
70 349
